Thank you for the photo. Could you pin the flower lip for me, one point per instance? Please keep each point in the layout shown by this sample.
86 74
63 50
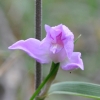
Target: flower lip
55 48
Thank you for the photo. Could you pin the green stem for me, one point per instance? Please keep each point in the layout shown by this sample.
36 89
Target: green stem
45 89
54 69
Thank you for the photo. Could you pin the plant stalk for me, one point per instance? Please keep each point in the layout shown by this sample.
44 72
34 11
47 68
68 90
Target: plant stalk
38 17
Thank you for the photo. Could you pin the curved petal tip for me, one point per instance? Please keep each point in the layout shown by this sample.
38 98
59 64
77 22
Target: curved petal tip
74 62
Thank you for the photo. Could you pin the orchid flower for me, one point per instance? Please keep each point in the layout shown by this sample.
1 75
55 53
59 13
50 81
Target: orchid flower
57 47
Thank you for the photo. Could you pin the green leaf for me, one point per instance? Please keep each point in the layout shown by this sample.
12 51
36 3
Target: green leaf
76 88
77 38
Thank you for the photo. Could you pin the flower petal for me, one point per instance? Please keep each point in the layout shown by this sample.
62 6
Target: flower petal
47 28
66 32
52 32
74 62
68 40
69 46
33 48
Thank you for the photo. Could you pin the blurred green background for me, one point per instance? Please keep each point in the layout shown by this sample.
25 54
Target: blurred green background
17 22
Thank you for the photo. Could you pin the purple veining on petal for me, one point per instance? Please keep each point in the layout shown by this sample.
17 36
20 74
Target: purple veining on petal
58 45
51 37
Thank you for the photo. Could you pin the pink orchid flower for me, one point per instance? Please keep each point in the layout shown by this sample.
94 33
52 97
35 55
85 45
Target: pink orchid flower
57 46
